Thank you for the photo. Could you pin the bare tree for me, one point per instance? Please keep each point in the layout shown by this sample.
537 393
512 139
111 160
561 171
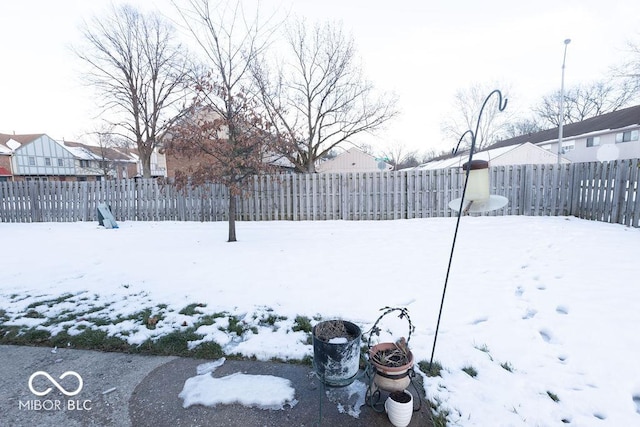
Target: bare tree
317 98
466 106
113 153
519 127
104 150
398 155
629 70
139 71
224 129
586 101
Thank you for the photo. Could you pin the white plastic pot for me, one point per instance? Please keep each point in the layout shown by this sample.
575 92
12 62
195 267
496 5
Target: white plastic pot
399 413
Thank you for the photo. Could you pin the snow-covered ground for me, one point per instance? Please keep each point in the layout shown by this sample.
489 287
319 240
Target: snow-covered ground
545 309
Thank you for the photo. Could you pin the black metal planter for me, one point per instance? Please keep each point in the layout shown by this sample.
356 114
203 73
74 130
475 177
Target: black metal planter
336 358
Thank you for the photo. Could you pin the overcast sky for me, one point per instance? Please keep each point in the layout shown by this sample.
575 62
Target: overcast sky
422 50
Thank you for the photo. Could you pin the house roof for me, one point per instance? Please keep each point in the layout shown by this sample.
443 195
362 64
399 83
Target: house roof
451 161
7 148
610 121
22 139
489 155
92 152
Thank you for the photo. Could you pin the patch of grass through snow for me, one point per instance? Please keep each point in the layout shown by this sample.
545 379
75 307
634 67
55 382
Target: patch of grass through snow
553 396
438 415
302 323
191 309
430 371
84 328
507 366
470 370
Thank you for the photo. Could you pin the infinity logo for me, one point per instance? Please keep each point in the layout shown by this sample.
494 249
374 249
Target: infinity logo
55 383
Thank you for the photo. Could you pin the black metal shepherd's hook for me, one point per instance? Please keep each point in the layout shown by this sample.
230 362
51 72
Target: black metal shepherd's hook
501 106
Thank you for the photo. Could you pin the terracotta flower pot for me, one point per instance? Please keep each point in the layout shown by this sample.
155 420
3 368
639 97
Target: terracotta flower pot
385 368
394 377
399 408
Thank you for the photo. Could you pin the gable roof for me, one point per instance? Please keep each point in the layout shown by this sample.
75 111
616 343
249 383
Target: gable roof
93 152
610 121
22 139
493 156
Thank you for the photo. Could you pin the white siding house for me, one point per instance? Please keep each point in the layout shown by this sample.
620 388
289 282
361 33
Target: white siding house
608 137
41 156
605 145
522 154
354 160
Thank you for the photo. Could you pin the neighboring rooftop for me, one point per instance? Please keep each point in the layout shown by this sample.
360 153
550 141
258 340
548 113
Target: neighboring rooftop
609 121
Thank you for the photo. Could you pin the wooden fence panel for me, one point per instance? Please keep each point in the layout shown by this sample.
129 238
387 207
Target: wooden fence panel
595 191
635 197
631 197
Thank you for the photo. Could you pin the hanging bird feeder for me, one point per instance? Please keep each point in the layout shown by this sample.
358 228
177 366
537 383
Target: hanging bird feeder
477 198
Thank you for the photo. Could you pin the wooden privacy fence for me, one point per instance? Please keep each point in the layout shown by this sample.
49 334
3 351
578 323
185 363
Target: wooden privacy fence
598 191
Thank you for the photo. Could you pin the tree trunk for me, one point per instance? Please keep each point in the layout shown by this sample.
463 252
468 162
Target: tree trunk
311 166
232 217
146 164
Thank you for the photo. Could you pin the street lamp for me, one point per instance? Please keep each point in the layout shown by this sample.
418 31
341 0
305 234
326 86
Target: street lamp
561 120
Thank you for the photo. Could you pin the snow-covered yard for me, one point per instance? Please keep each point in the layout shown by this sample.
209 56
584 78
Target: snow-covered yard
544 309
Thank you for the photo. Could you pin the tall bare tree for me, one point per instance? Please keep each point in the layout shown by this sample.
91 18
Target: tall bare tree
224 128
521 126
317 96
585 101
140 73
465 109
629 70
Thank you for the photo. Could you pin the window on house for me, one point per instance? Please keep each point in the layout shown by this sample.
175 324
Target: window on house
60 162
568 146
84 163
47 161
593 141
630 135
32 161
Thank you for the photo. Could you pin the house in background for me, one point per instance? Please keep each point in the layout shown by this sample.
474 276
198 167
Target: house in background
101 162
38 157
354 160
611 136
158 162
520 154
5 162
608 137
